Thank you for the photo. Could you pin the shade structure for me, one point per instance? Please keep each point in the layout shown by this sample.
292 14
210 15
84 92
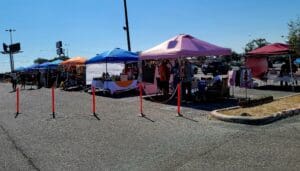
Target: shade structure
32 67
272 49
51 65
56 62
259 66
74 61
44 65
183 45
114 56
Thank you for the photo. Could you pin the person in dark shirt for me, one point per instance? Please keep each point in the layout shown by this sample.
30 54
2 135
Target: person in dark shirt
286 70
23 80
164 73
176 74
38 79
13 76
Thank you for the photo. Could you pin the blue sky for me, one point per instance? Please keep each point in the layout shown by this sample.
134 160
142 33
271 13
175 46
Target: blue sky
88 27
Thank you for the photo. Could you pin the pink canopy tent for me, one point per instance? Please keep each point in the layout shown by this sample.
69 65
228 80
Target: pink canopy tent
183 45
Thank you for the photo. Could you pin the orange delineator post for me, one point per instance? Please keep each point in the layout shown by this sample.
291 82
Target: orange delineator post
141 99
94 101
178 99
53 102
18 101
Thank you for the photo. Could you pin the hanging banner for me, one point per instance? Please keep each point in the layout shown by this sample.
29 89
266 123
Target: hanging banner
97 70
246 78
231 78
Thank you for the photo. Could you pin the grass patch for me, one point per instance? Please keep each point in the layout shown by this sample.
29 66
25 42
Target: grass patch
266 109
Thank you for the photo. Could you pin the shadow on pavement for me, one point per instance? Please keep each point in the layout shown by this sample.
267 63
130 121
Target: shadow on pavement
131 93
206 106
279 88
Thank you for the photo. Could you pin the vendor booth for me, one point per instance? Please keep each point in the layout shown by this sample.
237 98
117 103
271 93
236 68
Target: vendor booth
257 62
49 73
109 72
175 50
73 73
29 74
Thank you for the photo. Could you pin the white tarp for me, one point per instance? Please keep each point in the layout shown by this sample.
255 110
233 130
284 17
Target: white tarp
96 70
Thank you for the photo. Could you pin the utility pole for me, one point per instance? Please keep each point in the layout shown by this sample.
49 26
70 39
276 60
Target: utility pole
12 67
126 28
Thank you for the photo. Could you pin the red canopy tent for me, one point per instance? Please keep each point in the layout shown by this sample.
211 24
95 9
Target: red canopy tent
272 49
257 59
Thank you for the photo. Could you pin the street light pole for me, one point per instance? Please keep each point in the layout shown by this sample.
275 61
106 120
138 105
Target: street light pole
126 28
12 67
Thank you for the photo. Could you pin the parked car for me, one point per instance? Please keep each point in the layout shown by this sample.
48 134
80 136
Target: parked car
213 66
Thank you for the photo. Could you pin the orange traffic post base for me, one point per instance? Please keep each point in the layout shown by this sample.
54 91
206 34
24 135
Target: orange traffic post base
141 99
53 102
178 99
94 103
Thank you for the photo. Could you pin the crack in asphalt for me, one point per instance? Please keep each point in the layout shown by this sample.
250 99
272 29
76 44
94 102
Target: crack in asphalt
214 148
29 159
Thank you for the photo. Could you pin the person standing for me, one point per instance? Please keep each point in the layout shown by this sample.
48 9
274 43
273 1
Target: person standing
157 76
187 81
23 80
38 80
58 78
176 74
13 76
164 73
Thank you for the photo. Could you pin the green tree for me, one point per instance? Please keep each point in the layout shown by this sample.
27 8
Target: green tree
294 35
236 56
40 60
256 43
63 58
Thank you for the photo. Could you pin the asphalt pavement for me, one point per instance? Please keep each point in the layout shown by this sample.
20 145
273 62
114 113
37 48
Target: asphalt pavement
122 140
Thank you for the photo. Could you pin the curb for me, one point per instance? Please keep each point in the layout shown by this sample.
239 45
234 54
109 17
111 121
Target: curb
255 120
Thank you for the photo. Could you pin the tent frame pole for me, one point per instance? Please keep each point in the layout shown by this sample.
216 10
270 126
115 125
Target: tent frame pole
291 73
106 68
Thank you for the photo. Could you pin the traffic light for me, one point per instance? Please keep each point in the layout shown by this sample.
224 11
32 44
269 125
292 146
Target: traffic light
5 48
58 44
59 51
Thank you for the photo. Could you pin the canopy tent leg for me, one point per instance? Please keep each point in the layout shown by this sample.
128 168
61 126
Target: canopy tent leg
291 72
106 67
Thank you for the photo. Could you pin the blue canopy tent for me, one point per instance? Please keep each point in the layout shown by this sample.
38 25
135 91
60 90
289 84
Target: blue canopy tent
297 61
43 65
50 65
116 55
32 67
